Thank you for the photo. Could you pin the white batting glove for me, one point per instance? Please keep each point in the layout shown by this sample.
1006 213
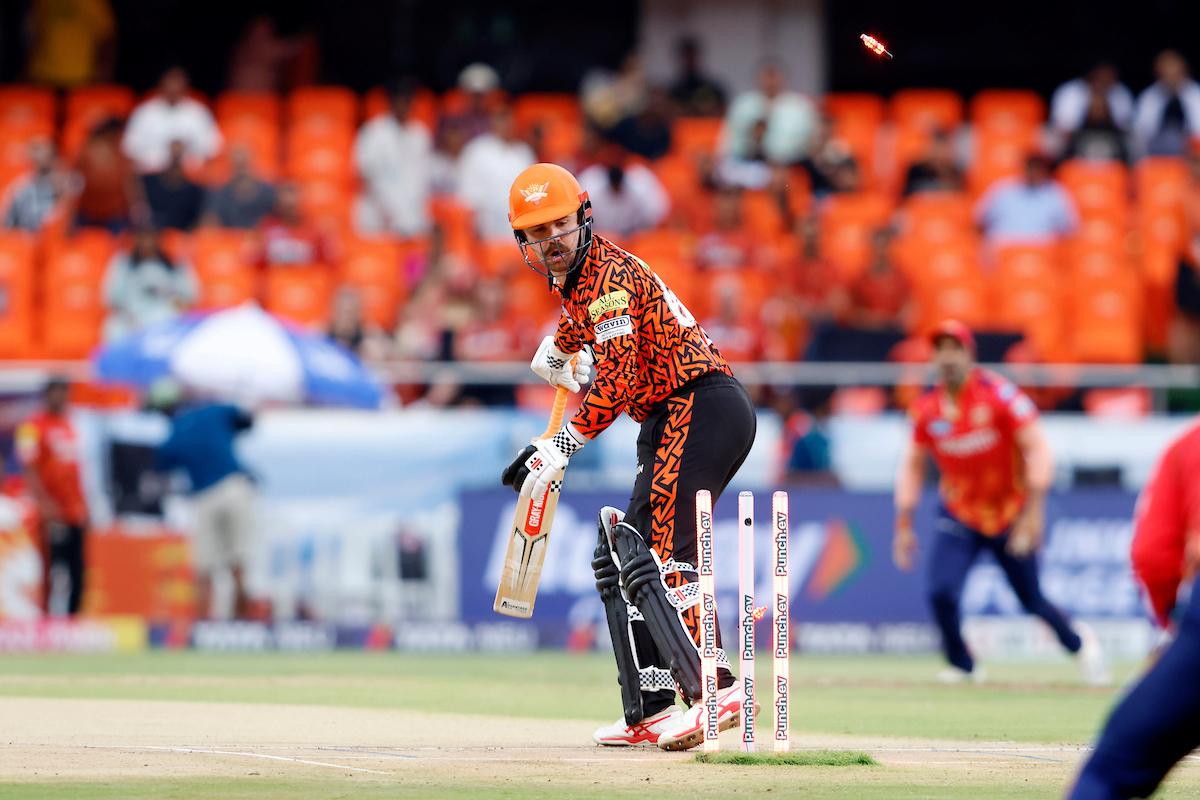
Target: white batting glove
554 366
549 457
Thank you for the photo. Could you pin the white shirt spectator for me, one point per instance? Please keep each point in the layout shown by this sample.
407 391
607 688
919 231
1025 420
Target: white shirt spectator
1015 212
394 159
1069 105
142 293
486 169
640 205
156 123
1148 118
791 120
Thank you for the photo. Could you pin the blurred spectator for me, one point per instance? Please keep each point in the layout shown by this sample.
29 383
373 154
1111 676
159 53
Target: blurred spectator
695 93
734 325
72 42
37 196
627 196
830 165
937 171
607 97
108 188
1099 138
807 445
1097 102
443 165
174 199
647 132
260 57
287 237
48 447
1034 209
729 244
1183 341
167 117
486 170
492 334
791 119
350 329
144 286
748 170
814 279
223 495
880 297
393 155
244 201
480 87
1168 111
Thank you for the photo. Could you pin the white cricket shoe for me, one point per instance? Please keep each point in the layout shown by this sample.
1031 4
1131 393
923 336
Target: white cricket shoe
1092 664
645 732
687 730
954 675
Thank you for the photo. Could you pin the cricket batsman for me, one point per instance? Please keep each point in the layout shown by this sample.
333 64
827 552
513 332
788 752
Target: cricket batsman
996 468
653 362
1158 722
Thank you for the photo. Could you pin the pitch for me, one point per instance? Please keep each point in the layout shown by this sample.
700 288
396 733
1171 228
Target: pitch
354 725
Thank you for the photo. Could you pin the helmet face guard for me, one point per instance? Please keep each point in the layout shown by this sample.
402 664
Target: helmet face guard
535 252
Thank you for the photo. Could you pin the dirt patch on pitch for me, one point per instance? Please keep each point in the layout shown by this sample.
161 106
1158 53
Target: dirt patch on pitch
65 740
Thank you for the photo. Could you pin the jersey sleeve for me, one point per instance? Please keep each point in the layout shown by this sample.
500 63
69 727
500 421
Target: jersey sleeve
1159 532
614 317
568 337
1016 409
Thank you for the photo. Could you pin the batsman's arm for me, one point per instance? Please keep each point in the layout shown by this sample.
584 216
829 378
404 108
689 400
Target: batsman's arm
909 477
616 343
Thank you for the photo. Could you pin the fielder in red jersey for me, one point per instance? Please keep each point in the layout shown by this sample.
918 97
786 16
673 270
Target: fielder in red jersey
996 466
1158 721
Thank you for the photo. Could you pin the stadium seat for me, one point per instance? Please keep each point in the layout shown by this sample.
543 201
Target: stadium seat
457 223
680 178
762 215
1098 187
1007 110
846 225
327 202
300 294
998 155
964 299
87 106
72 304
1024 264
1033 307
1089 264
1109 230
696 136
222 260
862 108
322 108
1106 319
1160 182
925 262
861 138
937 217
500 258
318 155
373 267
540 107
908 145
261 107
927 109
261 139
17 251
23 105
665 243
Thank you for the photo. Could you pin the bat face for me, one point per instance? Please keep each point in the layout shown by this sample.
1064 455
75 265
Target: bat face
526 552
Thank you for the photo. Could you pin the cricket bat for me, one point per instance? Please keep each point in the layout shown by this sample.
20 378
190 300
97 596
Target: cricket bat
530 537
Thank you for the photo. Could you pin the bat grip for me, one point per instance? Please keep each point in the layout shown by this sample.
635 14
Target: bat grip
557 411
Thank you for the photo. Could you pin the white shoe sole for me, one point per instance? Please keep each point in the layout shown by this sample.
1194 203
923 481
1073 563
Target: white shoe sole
696 737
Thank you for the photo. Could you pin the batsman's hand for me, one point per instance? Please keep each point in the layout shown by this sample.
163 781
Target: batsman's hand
535 467
556 368
904 546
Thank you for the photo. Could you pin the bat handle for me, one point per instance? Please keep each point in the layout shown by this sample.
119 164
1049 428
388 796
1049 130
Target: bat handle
557 411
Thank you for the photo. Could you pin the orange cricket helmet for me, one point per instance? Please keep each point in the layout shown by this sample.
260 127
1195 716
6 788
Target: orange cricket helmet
543 193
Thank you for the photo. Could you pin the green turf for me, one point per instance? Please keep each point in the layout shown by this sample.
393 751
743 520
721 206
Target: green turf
801 758
888 696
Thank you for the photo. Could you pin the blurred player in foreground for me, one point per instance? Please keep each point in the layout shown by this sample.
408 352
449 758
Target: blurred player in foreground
47 446
996 468
1158 721
656 364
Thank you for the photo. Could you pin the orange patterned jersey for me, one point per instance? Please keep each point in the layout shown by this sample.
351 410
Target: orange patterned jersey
974 444
647 343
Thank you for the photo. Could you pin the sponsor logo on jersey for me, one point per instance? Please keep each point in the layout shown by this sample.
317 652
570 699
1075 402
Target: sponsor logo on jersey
970 444
613 301
1023 407
612 328
535 192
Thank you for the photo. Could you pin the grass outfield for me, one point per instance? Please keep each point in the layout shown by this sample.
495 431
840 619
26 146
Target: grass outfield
878 705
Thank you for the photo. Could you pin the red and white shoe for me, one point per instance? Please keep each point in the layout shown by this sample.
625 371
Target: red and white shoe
645 732
688 731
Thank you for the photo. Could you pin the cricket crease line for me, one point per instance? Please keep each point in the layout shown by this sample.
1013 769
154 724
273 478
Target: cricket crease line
236 753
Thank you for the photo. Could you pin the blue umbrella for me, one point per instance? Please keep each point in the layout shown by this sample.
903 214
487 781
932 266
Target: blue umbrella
241 354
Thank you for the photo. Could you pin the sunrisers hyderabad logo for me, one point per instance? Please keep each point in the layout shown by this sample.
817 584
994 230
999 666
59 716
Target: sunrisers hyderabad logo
535 192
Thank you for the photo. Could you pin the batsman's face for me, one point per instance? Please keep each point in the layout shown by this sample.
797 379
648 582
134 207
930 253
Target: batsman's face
554 243
952 361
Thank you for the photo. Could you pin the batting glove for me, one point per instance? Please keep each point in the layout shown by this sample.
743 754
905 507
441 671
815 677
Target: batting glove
554 366
536 466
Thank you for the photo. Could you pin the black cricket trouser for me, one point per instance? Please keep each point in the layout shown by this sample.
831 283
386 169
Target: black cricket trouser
696 439
64 549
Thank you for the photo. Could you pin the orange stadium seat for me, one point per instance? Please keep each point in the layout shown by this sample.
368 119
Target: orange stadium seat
925 262
500 258
300 294
927 108
1098 187
223 263
1160 182
1108 231
89 105
763 215
322 107
696 136
680 178
373 267
318 155
72 305
22 105
908 145
1106 319
862 108
1033 307
861 138
457 223
999 154
17 252
964 299
846 226
665 243
259 137
1007 110
937 216
261 107
424 106
535 107
1090 264
327 202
